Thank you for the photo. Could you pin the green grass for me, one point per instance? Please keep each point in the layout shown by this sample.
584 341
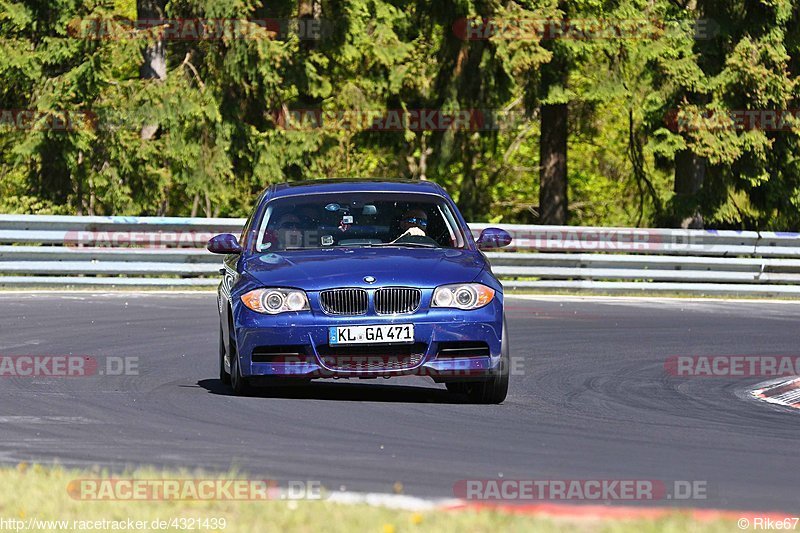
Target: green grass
35 492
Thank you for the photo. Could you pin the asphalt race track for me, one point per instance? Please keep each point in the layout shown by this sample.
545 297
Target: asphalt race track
593 401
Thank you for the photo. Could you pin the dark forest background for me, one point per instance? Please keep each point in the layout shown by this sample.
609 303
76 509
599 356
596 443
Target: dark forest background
623 112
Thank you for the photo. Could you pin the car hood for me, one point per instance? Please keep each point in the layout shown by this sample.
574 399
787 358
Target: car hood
346 267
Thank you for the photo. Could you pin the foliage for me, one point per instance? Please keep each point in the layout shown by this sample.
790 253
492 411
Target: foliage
220 116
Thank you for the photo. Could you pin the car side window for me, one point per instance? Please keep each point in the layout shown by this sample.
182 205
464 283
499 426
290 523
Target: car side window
246 229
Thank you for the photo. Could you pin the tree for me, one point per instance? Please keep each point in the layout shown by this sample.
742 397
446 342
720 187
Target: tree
553 206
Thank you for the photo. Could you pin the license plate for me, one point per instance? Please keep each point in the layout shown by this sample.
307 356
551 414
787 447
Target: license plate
371 334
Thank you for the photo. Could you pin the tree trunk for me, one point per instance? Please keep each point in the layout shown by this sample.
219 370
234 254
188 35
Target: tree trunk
690 172
154 55
554 134
77 181
195 204
308 10
553 165
469 197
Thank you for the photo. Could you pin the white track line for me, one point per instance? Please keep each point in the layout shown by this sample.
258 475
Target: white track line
649 299
390 501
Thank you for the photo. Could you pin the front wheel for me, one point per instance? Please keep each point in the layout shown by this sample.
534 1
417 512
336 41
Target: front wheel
495 389
224 376
239 384
456 387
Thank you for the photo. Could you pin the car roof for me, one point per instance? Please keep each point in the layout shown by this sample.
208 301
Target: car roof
354 185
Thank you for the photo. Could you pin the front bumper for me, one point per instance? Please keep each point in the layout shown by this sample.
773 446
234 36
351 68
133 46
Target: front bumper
306 334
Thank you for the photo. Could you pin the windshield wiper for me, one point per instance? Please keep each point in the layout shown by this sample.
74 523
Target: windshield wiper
357 245
412 244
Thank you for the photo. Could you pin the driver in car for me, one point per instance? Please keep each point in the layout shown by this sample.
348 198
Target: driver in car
288 232
413 223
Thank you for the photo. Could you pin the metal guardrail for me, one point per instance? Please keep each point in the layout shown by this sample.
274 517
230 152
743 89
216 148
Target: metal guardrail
169 252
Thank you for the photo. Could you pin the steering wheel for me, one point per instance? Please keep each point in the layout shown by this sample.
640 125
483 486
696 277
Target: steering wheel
417 239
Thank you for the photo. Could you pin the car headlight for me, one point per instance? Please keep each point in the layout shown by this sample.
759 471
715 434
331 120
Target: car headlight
462 296
274 301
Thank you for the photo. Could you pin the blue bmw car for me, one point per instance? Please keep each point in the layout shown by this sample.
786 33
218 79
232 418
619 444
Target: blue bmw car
361 279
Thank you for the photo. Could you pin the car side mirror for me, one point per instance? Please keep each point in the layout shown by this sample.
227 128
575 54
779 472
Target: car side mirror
224 243
492 238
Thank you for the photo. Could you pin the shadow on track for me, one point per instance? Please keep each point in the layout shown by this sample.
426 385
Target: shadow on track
346 392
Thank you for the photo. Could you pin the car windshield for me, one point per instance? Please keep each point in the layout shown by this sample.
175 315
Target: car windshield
359 220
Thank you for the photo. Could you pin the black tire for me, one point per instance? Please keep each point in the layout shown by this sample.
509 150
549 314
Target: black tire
239 384
456 387
495 389
224 376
